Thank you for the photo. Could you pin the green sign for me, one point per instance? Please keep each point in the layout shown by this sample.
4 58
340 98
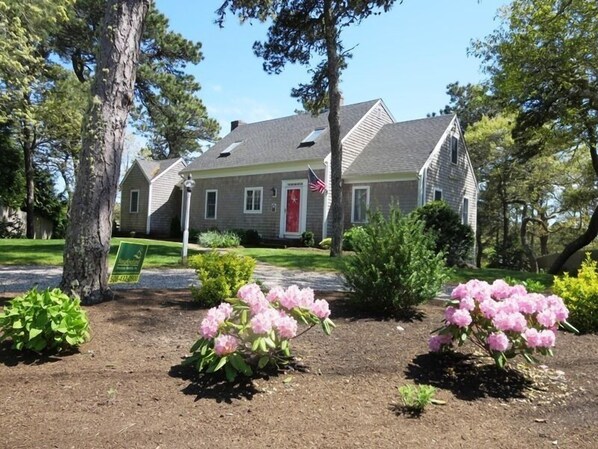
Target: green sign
129 260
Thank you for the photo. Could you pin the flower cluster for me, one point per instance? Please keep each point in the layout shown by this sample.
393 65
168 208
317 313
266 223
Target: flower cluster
501 319
254 329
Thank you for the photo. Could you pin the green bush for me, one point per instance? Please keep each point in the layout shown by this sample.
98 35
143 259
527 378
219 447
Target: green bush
215 239
248 237
352 238
580 295
44 320
326 243
307 239
416 398
221 275
396 267
452 237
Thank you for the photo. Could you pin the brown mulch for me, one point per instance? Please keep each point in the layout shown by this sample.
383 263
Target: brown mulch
126 389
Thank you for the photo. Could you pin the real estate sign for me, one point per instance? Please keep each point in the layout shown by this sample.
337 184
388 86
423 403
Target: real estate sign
129 260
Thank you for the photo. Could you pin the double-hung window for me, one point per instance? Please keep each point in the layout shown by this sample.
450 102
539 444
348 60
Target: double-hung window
253 200
211 204
134 202
437 195
360 203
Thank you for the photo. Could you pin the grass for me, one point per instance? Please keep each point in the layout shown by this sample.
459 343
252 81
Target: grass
294 258
491 274
160 254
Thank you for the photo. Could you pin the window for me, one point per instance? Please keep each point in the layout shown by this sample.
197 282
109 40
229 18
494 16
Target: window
134 202
312 137
211 204
454 149
229 149
361 201
437 195
253 200
465 211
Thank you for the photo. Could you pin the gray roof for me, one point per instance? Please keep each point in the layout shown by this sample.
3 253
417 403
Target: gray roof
151 169
278 140
400 147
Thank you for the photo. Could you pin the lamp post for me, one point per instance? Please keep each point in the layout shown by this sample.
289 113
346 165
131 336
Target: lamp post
188 184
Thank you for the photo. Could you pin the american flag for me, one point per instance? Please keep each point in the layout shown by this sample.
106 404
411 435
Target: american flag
315 183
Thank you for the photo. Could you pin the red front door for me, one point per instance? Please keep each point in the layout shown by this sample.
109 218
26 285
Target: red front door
293 210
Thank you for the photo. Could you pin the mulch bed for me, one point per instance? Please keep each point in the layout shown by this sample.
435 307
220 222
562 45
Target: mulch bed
126 389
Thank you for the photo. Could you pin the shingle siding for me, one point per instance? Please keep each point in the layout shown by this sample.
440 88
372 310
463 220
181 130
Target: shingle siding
455 180
363 133
230 204
383 195
135 180
166 200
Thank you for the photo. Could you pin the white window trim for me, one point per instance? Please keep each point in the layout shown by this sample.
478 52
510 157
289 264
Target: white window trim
205 215
253 211
466 222
367 202
131 211
441 194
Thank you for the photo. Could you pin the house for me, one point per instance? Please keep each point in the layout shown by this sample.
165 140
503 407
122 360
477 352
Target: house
256 176
151 196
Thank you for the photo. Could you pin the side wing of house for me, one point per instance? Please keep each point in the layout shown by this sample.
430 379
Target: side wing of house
134 200
448 175
165 200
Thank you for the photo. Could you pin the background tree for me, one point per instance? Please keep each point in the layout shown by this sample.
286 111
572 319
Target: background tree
301 31
88 236
542 63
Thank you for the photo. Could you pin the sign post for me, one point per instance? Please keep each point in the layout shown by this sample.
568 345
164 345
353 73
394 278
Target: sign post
129 260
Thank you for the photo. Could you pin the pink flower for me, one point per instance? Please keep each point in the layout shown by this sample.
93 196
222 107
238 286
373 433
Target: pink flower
225 344
518 290
500 289
320 308
489 308
509 305
527 304
533 338
291 298
306 298
479 290
546 318
460 291
209 327
436 342
467 303
286 326
249 292
548 338
275 293
461 318
448 314
498 342
557 305
510 322
261 323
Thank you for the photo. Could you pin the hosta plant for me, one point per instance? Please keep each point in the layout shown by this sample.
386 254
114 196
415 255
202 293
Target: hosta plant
44 320
502 320
254 330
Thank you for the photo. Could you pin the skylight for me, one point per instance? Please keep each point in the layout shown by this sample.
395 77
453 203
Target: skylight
312 137
229 149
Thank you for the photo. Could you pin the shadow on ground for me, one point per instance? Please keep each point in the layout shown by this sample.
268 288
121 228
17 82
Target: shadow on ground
13 357
466 377
343 307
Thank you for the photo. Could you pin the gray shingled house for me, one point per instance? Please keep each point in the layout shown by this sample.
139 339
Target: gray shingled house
151 196
256 177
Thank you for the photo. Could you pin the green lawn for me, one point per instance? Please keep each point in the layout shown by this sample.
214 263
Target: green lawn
49 252
491 274
295 258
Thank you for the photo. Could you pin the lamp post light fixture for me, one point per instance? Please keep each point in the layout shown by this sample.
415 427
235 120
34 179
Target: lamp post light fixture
188 184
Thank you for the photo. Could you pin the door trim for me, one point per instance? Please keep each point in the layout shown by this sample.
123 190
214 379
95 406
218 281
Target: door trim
287 184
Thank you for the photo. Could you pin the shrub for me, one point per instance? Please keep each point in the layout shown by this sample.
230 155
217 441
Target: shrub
11 227
307 239
416 398
215 239
221 275
326 243
581 295
502 320
508 255
248 237
531 285
352 238
396 267
452 237
254 330
44 320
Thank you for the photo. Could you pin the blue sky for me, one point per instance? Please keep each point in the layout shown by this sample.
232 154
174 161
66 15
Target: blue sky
406 57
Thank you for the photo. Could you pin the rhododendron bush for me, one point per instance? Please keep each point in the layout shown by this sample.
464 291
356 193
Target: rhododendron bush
254 329
502 320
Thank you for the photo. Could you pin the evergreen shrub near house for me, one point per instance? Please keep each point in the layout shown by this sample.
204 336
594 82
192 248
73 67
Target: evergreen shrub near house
307 239
452 237
581 295
249 237
216 239
396 266
44 320
220 275
352 238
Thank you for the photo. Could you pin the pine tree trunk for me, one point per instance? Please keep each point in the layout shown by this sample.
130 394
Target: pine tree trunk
336 150
90 226
29 180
